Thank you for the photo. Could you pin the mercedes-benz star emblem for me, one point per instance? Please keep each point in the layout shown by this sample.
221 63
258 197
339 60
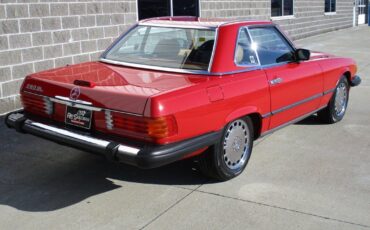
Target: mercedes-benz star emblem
75 93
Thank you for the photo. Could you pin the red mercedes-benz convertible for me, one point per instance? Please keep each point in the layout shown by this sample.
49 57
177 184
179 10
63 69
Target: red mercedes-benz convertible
171 88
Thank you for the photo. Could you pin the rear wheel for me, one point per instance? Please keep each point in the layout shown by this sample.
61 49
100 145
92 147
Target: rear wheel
230 156
337 106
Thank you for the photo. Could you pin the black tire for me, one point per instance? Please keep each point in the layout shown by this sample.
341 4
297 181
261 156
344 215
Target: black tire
214 162
332 114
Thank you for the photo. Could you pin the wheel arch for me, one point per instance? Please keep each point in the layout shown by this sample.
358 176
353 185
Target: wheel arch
257 124
347 74
254 115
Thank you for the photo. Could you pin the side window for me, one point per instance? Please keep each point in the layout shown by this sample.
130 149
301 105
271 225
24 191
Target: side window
244 54
271 46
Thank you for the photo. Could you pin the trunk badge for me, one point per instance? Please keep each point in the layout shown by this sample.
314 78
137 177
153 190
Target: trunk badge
75 93
34 88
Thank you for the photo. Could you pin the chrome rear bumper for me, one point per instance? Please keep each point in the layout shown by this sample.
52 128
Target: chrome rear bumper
144 156
59 134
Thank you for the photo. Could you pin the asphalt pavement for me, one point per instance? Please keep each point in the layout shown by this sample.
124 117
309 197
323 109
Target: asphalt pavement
305 176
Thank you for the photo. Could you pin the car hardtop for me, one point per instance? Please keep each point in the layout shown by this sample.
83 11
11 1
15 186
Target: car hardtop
198 22
226 33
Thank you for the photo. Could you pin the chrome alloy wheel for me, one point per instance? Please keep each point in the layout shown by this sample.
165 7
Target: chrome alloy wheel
341 98
236 144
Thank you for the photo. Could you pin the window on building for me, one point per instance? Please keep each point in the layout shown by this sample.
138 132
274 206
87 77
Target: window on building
153 8
330 6
281 8
158 8
185 8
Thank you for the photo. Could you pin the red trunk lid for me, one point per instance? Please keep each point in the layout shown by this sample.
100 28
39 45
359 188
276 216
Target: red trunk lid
116 87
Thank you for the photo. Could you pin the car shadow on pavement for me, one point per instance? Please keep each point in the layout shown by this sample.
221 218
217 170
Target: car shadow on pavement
311 120
38 175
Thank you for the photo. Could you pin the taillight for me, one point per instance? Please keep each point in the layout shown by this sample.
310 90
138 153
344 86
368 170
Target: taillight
161 127
151 129
37 104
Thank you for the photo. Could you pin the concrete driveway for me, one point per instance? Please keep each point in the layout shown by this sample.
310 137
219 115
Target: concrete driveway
306 176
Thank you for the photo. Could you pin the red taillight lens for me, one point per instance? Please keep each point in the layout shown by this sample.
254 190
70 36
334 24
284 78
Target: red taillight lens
36 104
151 129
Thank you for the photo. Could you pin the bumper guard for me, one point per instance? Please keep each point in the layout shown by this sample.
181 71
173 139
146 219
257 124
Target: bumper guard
356 80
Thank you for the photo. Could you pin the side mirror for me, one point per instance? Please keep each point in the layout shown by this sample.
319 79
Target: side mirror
302 55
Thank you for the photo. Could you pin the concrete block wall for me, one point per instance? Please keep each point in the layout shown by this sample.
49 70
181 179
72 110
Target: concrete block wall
309 17
41 34
249 9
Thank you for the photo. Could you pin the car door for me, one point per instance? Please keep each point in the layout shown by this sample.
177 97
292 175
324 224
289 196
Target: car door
295 88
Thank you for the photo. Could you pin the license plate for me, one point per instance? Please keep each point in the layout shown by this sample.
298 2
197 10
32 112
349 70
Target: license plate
78 117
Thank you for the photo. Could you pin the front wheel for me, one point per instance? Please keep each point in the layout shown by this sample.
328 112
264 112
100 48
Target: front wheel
337 106
230 156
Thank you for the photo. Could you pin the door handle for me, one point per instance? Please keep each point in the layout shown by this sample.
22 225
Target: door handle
276 81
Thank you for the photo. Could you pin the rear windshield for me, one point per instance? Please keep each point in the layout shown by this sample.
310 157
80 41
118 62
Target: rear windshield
178 48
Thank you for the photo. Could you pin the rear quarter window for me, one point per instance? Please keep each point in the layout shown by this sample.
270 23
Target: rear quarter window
245 54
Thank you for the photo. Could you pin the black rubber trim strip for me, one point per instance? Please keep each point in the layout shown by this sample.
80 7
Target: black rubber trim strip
282 109
329 91
266 115
356 80
291 122
297 103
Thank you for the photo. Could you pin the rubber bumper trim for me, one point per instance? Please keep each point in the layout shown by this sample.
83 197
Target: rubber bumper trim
356 80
